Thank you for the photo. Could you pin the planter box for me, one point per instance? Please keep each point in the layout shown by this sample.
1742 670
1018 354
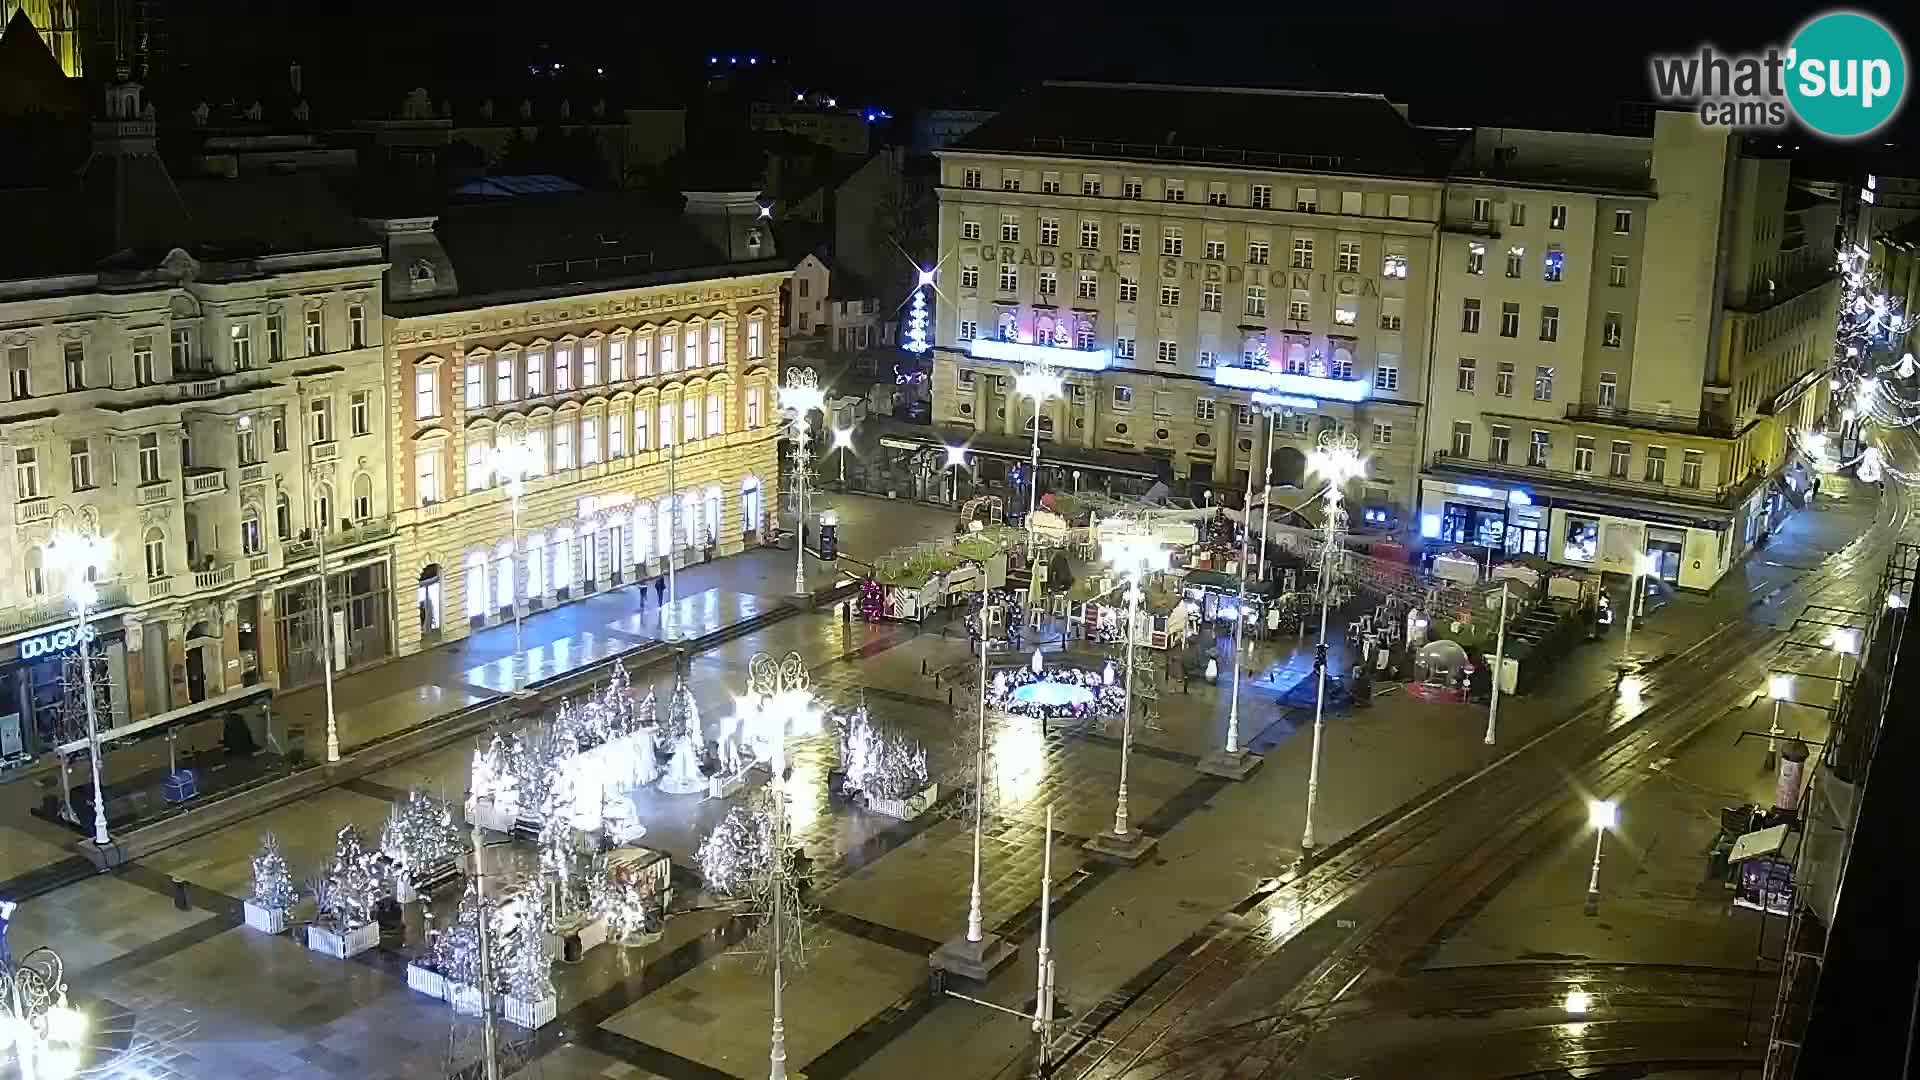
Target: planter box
427 981
725 787
589 933
265 919
341 946
464 998
532 1014
489 815
908 808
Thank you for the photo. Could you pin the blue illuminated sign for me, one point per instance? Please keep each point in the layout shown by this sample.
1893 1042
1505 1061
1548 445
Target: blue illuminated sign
1246 378
1020 352
54 642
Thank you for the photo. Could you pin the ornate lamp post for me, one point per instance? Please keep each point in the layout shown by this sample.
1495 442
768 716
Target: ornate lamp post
36 1023
801 395
1235 762
511 465
1040 384
1136 555
78 557
1336 461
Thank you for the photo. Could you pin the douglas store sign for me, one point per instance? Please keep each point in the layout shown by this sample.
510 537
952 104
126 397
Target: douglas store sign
55 642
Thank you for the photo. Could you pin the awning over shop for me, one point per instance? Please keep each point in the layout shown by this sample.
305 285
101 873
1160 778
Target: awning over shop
154 725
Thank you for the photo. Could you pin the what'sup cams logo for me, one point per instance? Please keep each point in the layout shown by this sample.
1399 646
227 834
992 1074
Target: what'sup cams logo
1843 76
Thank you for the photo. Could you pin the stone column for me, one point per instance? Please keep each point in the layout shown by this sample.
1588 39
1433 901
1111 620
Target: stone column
137 660
177 659
229 674
267 633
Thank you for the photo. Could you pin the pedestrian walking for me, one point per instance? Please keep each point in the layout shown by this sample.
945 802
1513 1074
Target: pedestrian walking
660 589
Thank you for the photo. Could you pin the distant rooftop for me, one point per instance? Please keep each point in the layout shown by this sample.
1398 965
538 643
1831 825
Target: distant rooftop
1277 129
508 186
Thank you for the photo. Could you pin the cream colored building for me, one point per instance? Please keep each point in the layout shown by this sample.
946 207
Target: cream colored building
1175 250
638 368
198 378
1626 331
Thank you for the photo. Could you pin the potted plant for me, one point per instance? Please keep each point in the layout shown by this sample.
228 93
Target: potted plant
343 926
273 892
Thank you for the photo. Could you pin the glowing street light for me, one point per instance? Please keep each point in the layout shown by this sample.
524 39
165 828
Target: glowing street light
1602 814
79 557
1577 1002
1135 555
510 465
1845 642
956 459
801 395
1041 385
44 1032
843 444
1779 688
1644 566
781 696
1235 762
1336 461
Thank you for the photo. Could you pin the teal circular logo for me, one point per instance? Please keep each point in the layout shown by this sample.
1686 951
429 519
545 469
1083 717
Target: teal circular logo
1846 74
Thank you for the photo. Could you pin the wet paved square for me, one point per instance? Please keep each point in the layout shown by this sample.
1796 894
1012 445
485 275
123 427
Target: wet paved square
921 886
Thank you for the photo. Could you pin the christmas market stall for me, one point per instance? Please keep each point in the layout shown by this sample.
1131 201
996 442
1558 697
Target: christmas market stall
908 584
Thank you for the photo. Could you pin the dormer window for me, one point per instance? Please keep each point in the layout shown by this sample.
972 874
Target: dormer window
421 274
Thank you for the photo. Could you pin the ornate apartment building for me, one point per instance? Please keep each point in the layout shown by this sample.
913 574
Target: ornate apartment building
1188 258
193 372
630 354
1627 331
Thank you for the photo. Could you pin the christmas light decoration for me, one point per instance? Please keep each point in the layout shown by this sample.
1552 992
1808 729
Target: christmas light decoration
421 835
353 885
272 880
881 763
1084 694
737 856
682 739
917 323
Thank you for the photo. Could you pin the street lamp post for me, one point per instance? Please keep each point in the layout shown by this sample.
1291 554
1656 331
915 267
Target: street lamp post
1266 491
1235 762
956 459
1040 384
510 465
1602 815
1643 565
1779 688
1135 554
77 557
800 395
1499 665
326 608
843 443
1337 460
1845 642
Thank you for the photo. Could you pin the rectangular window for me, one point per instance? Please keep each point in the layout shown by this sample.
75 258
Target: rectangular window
1171 242
1083 336
1610 330
617 356
756 338
1497 445
1349 257
1543 383
476 383
360 412
280 430
1462 439
616 436
1133 188
1617 271
1557 217
1467 376
74 355
1174 191
1509 320
1090 186
590 362
1089 285
536 369
1256 300
1259 252
1346 312
692 339
716 415
1656 465
690 418
1090 235
1260 197
426 476
1169 352
1503 380
1690 466
1216 250
1392 310
240 346
149 454
1129 290
1050 183
643 356
426 393
1306 200
143 372
1299 311
1622 222
1483 210
1351 202
1583 453
1382 434
1549 323
181 350
503 380
969 329
1123 348
1470 316
562 444
1203 409
1540 449
970 178
1243 415
276 337
969 230
1049 283
1386 373
1516 261
479 471
1049 232
1216 194
1609 388
1009 229
1476 258
1009 180
1123 398
1620 459
642 416
1129 238
1554 266
316 331
1302 253
26 474
320 420
246 444
1009 277
357 325
1517 213
80 459
1210 296
1162 403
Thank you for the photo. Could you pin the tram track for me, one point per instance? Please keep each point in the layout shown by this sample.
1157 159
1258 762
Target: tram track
1471 834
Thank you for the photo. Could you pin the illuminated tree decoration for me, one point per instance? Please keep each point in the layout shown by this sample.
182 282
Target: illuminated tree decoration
917 323
272 880
353 886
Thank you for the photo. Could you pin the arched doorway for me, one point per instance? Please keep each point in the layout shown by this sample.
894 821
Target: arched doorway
427 596
203 661
1289 467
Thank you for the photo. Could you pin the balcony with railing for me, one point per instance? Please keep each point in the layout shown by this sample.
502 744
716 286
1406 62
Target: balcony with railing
1722 495
112 594
214 572
323 451
158 491
32 511
338 540
1705 425
202 481
255 473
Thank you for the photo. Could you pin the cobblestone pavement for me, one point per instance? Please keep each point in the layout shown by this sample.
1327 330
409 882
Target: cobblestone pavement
209 999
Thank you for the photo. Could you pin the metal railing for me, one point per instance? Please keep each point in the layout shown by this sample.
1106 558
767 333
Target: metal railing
214 578
1704 424
206 482
112 594
29 511
158 491
1720 495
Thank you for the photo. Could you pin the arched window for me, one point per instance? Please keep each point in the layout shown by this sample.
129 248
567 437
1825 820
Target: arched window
36 571
1009 326
716 342
362 497
252 542
751 513
282 517
503 575
156 550
1296 358
716 414
476 584
322 505
713 516
536 565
